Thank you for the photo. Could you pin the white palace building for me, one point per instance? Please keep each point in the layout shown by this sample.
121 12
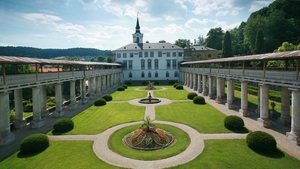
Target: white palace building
149 61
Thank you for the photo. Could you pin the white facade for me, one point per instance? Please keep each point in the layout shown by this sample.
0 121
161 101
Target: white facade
149 61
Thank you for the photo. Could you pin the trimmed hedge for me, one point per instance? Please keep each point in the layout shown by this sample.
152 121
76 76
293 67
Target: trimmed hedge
100 102
107 97
233 122
179 87
191 95
124 86
63 125
199 100
34 143
120 88
261 142
175 84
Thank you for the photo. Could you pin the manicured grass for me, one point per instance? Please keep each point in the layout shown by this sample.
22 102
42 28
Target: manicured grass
115 143
60 154
171 93
203 118
129 94
95 120
235 154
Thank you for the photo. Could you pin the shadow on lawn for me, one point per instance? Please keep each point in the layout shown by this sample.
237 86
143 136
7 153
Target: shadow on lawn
243 130
21 155
276 154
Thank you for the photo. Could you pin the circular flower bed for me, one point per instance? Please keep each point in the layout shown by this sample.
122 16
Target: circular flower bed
153 139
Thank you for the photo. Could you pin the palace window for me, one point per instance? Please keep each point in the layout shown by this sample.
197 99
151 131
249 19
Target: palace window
156 64
149 64
151 54
168 54
149 74
130 65
174 54
124 64
146 54
130 75
174 63
140 54
168 64
143 64
167 74
124 55
156 74
118 55
142 74
131 55
176 74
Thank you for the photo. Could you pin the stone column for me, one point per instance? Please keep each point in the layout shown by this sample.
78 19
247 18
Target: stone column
43 96
59 110
195 82
92 88
264 119
6 137
210 87
214 86
199 83
244 99
219 90
230 91
19 122
204 88
37 121
83 91
73 104
285 118
98 86
294 135
223 88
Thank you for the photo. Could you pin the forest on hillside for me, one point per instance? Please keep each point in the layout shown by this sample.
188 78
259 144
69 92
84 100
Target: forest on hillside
52 53
279 22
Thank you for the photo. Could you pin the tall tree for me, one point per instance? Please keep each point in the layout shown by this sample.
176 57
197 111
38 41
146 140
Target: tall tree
181 42
201 40
214 38
226 46
259 43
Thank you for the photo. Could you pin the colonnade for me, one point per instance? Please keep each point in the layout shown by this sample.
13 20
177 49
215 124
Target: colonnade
214 87
97 85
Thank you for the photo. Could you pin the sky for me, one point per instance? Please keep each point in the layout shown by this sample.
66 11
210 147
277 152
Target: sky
109 24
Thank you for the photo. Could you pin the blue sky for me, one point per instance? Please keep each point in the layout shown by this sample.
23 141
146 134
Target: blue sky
109 24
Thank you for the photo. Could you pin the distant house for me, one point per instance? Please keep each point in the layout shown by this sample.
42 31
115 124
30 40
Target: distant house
199 52
149 61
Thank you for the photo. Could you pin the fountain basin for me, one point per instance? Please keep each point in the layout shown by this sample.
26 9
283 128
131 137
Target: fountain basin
149 101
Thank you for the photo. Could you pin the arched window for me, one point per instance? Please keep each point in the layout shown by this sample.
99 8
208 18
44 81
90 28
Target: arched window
142 74
167 74
143 64
176 74
149 74
156 74
156 64
130 75
149 64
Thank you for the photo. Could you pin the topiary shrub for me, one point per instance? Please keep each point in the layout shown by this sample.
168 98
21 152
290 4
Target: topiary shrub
63 125
191 95
120 88
175 84
199 100
34 143
179 87
233 122
100 102
125 86
107 97
261 142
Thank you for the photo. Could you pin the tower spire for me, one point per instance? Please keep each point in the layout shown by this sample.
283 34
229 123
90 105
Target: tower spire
137 27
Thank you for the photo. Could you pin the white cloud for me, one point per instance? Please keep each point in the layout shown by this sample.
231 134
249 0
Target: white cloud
204 7
42 18
256 5
89 4
69 28
196 24
234 12
222 13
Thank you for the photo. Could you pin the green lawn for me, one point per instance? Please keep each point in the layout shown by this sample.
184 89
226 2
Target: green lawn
182 142
129 94
234 154
95 120
60 154
203 118
171 93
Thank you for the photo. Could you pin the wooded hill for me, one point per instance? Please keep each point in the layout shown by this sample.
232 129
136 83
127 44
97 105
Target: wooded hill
52 53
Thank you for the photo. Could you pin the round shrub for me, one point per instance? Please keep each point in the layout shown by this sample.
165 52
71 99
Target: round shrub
191 95
63 125
233 122
175 84
125 86
199 100
34 143
261 142
179 87
120 88
100 102
107 97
